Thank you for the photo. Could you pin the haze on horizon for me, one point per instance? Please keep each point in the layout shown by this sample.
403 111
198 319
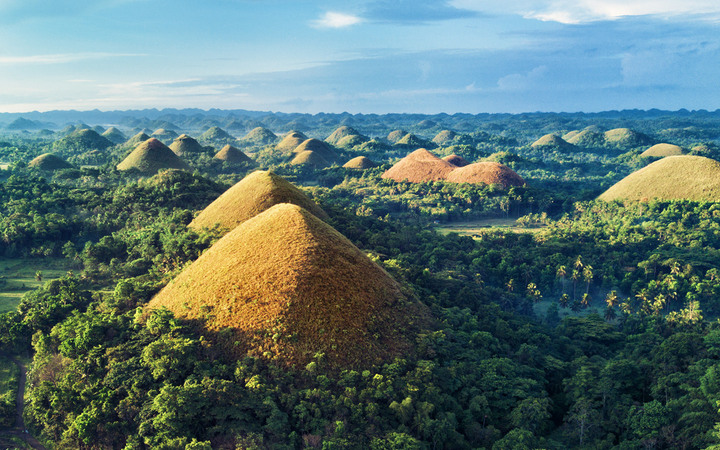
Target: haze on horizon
373 56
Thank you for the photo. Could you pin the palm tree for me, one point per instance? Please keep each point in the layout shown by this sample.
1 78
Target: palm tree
564 300
612 299
610 314
588 276
585 300
561 273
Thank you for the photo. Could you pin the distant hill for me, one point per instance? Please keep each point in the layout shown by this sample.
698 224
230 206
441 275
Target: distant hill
184 144
419 166
589 137
114 135
137 139
290 286
626 138
151 156
216 135
396 135
486 172
444 137
25 124
49 162
291 141
233 155
319 148
662 150
84 139
164 134
455 160
249 197
360 162
551 140
341 133
673 177
259 136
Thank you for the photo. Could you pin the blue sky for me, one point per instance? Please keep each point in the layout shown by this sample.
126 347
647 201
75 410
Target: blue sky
372 56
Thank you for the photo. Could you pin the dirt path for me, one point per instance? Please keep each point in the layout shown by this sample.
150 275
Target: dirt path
19 430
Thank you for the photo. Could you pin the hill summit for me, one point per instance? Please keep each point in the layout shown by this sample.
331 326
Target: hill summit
419 166
290 286
49 162
233 155
185 144
486 172
249 197
673 177
151 156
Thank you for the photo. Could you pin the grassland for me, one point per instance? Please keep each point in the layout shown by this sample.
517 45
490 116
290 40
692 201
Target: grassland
18 276
478 227
9 375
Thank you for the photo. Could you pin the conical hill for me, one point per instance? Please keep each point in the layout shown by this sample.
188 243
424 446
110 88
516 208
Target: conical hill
319 147
185 144
419 166
486 172
444 137
290 286
360 162
259 136
249 197
588 137
550 140
49 162
673 177
151 156
309 158
340 133
114 135
137 139
457 161
291 141
662 150
233 155
625 137
396 135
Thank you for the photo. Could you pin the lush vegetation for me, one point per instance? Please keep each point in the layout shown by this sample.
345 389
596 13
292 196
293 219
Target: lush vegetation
598 331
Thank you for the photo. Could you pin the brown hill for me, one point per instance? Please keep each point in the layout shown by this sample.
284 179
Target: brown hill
396 135
151 156
184 144
49 162
673 177
259 136
444 137
249 197
340 133
486 172
550 140
457 161
662 150
360 162
290 286
318 147
233 155
164 134
290 141
215 134
419 166
309 158
410 140
625 137
353 140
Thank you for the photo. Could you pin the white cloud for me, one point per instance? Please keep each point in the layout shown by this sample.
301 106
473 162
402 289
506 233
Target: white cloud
519 82
583 11
336 20
58 58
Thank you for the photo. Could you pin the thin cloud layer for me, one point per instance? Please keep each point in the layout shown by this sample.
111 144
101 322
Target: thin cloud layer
336 20
415 11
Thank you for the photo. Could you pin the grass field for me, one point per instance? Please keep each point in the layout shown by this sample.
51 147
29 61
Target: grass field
477 227
17 276
9 375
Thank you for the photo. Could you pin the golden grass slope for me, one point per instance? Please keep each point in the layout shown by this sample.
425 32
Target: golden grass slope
185 144
259 136
114 135
486 172
309 158
137 139
249 197
456 160
151 156
419 166
396 135
290 286
319 147
233 155
340 133
673 177
550 140
662 150
444 137
290 141
49 162
625 137
588 137
360 163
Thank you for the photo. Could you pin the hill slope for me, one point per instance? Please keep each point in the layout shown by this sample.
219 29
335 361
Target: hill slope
486 172
290 286
249 197
673 177
419 166
151 156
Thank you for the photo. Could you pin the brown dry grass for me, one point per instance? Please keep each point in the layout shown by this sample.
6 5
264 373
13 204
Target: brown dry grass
550 140
260 135
396 135
340 133
673 177
410 140
486 172
185 144
444 137
319 147
419 166
137 139
249 197
309 158
662 150
291 141
360 162
49 162
457 161
232 155
151 156
290 286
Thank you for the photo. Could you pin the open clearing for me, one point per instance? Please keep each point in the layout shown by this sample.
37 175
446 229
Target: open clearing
477 227
17 276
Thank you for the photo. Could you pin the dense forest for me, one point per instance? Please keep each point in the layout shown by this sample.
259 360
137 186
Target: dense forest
585 324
